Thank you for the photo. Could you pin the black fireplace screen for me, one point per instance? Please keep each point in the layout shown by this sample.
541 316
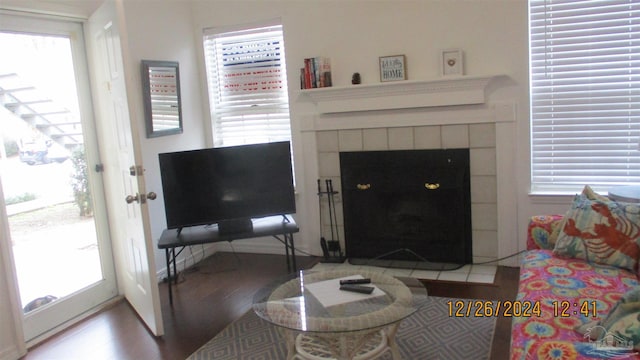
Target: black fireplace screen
407 205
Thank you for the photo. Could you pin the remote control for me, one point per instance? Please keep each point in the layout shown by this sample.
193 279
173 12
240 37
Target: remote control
355 281
357 288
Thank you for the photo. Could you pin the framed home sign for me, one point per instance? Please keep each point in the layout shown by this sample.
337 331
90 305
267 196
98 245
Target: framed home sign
393 68
451 62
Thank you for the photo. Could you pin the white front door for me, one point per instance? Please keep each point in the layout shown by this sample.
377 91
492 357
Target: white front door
123 171
56 208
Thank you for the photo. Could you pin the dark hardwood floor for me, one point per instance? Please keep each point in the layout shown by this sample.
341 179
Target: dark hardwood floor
210 296
505 287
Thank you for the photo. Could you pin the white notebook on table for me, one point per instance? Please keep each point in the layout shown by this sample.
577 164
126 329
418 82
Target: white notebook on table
329 294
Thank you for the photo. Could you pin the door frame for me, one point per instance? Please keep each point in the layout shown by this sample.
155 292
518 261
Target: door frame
9 285
11 309
74 29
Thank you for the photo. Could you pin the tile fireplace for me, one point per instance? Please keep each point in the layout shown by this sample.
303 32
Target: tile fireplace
477 139
438 114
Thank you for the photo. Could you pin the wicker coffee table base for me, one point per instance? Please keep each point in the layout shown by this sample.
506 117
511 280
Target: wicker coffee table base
360 345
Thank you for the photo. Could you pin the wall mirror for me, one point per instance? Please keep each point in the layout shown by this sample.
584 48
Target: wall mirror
161 94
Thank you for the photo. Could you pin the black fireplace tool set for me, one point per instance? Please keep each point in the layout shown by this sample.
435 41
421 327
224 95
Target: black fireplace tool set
331 249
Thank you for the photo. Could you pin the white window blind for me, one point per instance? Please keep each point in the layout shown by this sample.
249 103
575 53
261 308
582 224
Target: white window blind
247 83
585 94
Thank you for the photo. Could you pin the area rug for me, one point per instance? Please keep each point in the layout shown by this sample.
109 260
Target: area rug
430 333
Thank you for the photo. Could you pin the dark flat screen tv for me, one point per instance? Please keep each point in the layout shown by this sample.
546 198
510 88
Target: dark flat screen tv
227 186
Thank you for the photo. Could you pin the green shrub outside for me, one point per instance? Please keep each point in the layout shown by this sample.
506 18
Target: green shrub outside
80 183
20 198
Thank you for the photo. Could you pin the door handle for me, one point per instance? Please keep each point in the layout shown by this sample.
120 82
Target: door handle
141 198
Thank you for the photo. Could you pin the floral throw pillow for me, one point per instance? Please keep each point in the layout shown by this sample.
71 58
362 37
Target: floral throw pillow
591 195
605 232
620 327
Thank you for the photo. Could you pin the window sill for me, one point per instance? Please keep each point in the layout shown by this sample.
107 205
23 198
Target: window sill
551 199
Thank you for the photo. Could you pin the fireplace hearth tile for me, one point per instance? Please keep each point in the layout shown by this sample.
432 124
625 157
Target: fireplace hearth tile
484 269
453 276
465 269
481 278
480 274
398 272
404 264
331 266
425 274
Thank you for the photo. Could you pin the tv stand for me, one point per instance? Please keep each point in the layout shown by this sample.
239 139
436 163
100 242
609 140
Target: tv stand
273 226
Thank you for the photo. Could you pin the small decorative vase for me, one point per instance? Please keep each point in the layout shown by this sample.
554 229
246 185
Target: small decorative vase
355 79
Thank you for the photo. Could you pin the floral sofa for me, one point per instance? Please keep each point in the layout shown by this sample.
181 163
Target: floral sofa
578 293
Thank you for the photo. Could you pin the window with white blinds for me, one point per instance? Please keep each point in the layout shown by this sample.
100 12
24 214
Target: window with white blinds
247 83
585 94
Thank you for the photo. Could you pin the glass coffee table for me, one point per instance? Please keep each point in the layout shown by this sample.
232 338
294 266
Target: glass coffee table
320 321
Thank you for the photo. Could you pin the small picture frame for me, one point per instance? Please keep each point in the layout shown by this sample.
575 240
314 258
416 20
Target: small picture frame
451 62
393 68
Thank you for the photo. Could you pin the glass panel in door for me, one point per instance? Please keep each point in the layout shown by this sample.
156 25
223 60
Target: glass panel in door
49 192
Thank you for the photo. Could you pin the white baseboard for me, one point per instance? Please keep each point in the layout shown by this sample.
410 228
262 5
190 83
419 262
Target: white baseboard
191 255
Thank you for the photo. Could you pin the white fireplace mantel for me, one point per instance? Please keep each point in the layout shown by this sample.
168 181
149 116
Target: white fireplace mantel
420 104
444 91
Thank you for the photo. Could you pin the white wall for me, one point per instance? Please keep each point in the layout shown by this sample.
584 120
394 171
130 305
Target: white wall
353 33
163 30
492 33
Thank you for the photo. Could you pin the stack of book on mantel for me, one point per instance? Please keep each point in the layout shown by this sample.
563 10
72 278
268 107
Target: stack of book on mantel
316 73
